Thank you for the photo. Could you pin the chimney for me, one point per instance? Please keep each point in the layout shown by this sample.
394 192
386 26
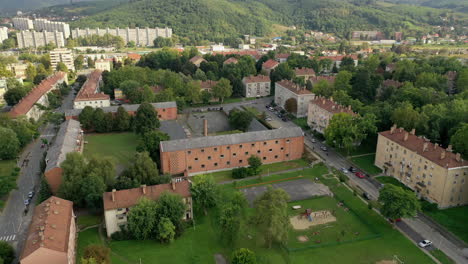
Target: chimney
205 127
406 136
413 131
392 129
458 157
449 148
435 146
442 155
113 195
173 184
331 98
143 188
425 146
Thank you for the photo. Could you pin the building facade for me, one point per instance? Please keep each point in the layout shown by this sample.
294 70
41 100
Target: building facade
22 23
32 104
90 95
18 69
321 110
69 139
62 55
117 204
52 234
286 90
141 36
102 65
3 34
165 110
34 39
41 24
214 153
256 86
305 73
433 172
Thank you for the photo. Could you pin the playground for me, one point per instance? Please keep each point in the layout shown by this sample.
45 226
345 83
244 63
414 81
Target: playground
308 219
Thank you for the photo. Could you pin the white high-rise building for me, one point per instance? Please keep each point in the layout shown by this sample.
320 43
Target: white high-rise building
22 23
3 34
62 55
34 39
41 24
141 36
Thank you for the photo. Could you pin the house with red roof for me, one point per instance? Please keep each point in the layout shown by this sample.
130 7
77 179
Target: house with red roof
269 65
321 110
231 60
282 57
256 86
305 73
90 94
197 60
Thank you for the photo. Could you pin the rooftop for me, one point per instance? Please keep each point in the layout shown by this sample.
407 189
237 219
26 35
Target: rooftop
127 107
211 141
50 226
25 104
316 79
282 55
331 106
231 60
134 56
433 152
197 58
339 57
66 141
208 84
89 90
304 71
130 197
270 64
293 87
256 79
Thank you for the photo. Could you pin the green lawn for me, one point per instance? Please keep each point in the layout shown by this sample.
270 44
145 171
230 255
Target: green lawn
454 219
88 220
367 146
391 180
301 122
6 167
253 110
366 163
120 147
444 259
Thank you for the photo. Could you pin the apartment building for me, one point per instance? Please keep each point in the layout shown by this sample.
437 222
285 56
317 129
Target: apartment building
34 39
433 172
22 23
256 86
215 153
90 95
321 110
3 34
305 73
102 65
52 234
141 36
32 104
18 69
62 55
165 110
69 139
117 204
41 24
286 90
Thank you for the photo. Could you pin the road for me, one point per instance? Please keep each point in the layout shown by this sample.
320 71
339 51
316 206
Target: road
16 216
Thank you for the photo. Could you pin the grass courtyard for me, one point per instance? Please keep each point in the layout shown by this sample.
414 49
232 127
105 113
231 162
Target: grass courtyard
201 241
366 163
119 147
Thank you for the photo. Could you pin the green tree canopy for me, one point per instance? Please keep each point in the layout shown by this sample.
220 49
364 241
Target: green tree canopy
239 119
142 219
222 89
204 191
99 253
255 164
9 144
243 256
146 119
7 252
398 202
459 140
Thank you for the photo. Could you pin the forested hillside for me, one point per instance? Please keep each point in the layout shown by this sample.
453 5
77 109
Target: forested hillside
217 20
14 5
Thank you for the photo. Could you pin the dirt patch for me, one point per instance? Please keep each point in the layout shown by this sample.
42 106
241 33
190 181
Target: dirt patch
300 222
302 238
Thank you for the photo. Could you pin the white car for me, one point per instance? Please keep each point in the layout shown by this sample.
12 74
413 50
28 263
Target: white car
425 243
314 141
344 170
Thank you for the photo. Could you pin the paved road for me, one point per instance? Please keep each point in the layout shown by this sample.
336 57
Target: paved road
16 217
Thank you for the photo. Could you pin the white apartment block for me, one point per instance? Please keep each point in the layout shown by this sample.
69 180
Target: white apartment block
141 36
3 34
256 86
286 90
33 39
62 55
51 26
22 23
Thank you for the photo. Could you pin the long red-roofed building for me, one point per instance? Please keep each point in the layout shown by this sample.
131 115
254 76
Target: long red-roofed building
29 106
90 95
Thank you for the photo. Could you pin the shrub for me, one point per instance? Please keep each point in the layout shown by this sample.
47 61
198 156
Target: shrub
342 177
369 205
428 206
240 173
124 234
17 169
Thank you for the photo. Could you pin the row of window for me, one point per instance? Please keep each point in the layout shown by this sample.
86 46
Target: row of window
246 153
229 163
241 146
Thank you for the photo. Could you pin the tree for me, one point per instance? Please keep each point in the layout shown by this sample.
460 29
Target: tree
459 140
7 252
142 219
144 170
222 89
243 256
398 202
206 96
14 95
30 72
150 142
44 192
291 105
165 230
146 119
86 118
161 42
122 120
62 67
199 75
462 81
99 121
78 62
407 117
282 72
103 167
9 144
193 91
91 63
88 261
342 81
239 119
271 216
254 164
204 191
231 214
99 253
171 206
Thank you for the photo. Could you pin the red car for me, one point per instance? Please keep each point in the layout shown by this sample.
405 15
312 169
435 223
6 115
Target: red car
360 175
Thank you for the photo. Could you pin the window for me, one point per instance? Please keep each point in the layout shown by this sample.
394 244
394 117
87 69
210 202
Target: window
202 150
164 109
276 156
234 154
253 144
258 151
216 164
196 159
222 156
189 167
159 116
276 142
287 140
287 155
282 148
215 149
240 161
264 143
228 147
189 152
228 163
240 146
270 150
119 209
209 157
203 165
264 158
246 153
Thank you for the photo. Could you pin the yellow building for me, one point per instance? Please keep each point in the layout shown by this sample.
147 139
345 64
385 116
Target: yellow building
434 173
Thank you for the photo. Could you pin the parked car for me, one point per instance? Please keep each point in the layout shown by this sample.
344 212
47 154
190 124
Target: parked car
425 243
26 202
285 119
360 175
313 140
268 119
31 194
366 196
352 169
344 170
267 106
323 148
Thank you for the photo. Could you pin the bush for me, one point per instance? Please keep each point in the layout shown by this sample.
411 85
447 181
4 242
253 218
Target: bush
17 169
7 253
369 205
428 206
342 177
122 235
240 173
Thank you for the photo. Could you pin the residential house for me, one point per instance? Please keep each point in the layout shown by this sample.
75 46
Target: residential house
197 60
90 95
269 66
102 65
282 57
18 69
288 91
231 60
305 73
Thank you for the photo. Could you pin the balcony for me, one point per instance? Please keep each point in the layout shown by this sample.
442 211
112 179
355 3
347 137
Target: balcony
388 164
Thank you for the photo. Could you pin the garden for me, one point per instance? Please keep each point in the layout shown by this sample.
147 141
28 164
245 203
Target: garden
119 147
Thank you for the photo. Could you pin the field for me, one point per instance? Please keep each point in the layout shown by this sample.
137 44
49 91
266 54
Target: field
119 147
201 241
454 219
366 163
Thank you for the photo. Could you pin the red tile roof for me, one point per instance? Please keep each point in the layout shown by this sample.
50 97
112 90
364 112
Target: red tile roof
134 56
207 85
230 61
282 55
293 87
330 106
388 83
25 104
130 197
50 226
89 90
256 79
425 148
197 58
270 64
252 53
316 79
304 71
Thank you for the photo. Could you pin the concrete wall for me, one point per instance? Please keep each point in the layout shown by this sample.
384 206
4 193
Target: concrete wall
257 89
283 94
